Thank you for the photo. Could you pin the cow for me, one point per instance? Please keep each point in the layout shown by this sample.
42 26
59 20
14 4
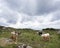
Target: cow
46 36
14 36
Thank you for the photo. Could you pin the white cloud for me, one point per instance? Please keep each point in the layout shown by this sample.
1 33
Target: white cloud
13 18
3 20
37 22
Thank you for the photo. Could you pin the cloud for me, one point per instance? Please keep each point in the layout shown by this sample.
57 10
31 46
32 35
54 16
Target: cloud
24 6
48 6
37 22
34 7
35 14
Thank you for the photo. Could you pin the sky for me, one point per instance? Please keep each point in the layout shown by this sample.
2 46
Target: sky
34 14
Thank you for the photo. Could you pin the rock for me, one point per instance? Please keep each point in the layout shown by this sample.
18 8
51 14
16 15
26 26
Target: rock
23 46
5 41
29 47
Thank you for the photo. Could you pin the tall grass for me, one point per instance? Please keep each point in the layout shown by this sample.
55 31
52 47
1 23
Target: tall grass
31 38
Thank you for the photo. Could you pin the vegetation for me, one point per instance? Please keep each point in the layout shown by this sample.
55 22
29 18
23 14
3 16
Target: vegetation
30 37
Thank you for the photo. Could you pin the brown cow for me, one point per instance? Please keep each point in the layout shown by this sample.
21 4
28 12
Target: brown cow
14 36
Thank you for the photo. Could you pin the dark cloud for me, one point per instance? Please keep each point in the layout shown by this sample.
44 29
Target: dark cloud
42 6
47 6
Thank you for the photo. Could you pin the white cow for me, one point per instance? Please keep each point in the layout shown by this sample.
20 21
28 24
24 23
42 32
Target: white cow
45 37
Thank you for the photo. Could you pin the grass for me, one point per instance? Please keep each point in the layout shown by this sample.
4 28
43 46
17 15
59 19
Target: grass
31 38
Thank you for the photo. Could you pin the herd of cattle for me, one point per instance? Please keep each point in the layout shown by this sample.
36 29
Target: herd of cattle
44 36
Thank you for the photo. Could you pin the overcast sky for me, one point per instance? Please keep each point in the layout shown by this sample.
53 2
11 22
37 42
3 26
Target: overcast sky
35 14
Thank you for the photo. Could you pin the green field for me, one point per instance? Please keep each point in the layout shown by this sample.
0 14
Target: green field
30 37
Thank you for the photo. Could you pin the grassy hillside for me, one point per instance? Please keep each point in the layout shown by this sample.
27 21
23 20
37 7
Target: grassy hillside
29 36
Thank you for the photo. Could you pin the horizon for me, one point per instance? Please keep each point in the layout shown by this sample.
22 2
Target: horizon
31 28
34 14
